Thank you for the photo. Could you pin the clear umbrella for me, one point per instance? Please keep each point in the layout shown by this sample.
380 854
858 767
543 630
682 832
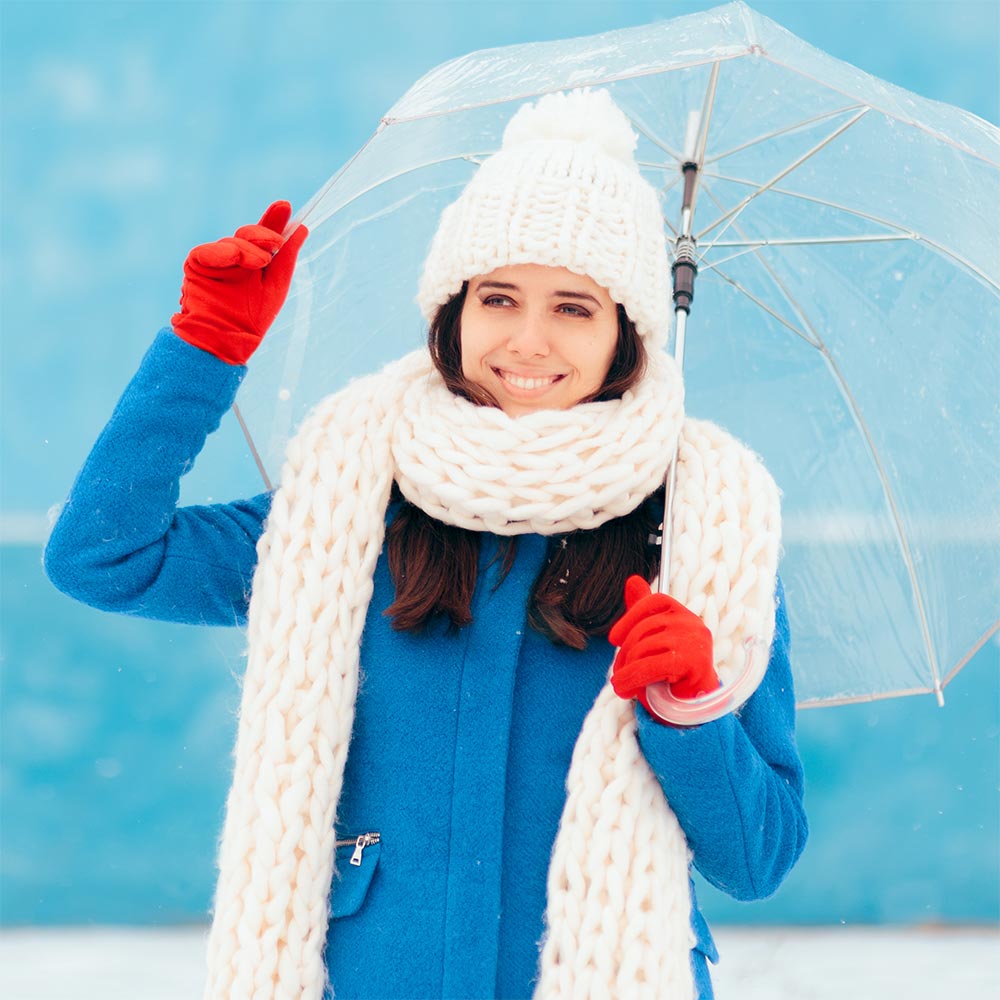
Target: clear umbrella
845 321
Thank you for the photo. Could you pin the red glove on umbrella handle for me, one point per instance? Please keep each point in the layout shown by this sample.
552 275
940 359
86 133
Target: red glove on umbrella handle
233 288
660 641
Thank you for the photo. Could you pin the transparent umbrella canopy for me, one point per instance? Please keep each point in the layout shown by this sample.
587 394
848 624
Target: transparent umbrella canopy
845 322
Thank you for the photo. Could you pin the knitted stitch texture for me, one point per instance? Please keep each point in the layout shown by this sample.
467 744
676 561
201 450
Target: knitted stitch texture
618 901
618 914
546 472
564 191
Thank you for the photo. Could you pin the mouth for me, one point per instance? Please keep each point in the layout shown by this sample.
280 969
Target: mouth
526 383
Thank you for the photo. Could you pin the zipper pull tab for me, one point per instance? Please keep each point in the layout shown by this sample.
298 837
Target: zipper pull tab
365 840
359 848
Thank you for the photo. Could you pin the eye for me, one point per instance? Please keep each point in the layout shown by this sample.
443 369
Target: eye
573 309
497 300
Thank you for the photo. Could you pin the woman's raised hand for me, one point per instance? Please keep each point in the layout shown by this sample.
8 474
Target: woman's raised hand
233 288
660 640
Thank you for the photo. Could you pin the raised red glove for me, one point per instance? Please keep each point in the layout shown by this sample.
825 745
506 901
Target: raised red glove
233 288
660 640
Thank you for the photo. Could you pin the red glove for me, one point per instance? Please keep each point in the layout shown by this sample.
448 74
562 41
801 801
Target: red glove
660 640
233 288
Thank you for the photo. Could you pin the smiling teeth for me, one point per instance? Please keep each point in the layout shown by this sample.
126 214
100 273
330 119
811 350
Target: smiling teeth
527 383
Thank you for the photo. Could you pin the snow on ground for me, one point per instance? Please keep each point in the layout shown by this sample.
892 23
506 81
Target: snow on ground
777 963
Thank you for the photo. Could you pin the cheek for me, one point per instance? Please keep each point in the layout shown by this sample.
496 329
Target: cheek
472 352
478 338
602 354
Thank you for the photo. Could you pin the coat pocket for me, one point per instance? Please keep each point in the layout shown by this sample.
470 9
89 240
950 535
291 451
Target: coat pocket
355 864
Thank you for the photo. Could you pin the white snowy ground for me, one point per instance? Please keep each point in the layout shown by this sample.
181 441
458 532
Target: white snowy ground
783 963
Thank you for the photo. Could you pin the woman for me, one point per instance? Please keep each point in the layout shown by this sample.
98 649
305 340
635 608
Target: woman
436 791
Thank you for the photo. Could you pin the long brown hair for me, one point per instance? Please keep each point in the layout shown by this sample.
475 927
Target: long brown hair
579 591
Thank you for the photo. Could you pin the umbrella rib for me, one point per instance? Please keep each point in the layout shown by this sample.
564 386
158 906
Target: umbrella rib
811 241
596 81
673 154
704 268
314 201
939 136
373 216
318 197
856 213
734 212
901 534
852 404
752 246
253 448
857 699
753 51
784 131
309 206
811 336
763 305
976 646
661 194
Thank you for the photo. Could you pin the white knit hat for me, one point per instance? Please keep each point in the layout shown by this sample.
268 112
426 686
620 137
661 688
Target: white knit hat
564 190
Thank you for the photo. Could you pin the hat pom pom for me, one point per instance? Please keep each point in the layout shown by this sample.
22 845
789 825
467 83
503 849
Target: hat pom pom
578 116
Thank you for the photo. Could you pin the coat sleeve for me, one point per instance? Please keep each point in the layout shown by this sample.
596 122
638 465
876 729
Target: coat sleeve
736 784
120 542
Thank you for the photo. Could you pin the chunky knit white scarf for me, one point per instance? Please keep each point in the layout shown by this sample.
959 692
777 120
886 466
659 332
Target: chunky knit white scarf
618 914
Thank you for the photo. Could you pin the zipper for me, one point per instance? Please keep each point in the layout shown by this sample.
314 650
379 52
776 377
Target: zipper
360 843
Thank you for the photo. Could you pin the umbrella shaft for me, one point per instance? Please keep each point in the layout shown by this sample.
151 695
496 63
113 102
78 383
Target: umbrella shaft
687 207
680 329
685 268
670 484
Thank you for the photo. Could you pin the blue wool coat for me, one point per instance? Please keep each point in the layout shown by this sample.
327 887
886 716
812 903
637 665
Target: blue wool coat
462 739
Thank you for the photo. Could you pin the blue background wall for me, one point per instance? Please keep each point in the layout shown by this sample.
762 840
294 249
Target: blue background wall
133 131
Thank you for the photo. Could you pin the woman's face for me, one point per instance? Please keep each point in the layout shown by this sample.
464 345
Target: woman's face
536 337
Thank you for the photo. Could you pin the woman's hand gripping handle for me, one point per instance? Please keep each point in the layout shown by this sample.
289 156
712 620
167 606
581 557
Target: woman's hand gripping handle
660 641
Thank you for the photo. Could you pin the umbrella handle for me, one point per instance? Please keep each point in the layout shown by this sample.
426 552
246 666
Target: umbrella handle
708 707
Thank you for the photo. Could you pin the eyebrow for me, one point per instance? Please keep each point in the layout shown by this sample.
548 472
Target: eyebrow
567 294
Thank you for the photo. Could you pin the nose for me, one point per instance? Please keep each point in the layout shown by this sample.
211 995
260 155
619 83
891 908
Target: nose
530 338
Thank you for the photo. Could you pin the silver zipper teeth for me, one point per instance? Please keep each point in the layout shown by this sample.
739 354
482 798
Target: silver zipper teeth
374 839
359 844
